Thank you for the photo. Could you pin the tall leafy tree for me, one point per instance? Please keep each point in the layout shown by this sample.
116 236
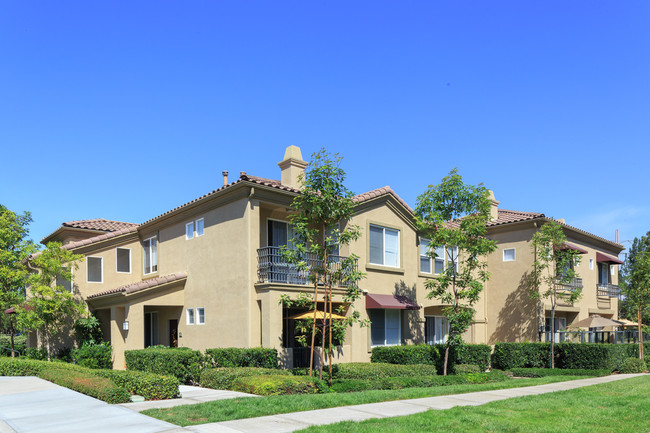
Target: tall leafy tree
50 307
15 247
321 226
637 290
553 274
628 309
454 214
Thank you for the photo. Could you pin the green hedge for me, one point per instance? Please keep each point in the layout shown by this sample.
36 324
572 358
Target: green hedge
235 357
543 372
150 386
365 370
633 365
222 378
353 385
521 355
87 383
94 356
183 363
477 354
278 384
20 344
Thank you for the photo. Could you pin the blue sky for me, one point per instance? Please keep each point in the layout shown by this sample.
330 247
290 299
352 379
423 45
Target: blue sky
124 110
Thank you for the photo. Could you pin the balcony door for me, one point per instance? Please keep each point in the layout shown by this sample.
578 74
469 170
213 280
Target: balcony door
279 233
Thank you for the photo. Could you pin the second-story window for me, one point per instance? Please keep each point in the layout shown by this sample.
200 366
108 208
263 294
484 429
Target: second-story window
94 269
384 246
63 282
194 228
426 262
150 255
123 256
509 255
279 234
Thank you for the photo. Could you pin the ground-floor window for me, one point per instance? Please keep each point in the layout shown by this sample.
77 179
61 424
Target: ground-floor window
436 329
385 327
151 329
560 325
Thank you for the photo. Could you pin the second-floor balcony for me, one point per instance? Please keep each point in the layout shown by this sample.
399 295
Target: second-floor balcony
569 286
272 267
608 290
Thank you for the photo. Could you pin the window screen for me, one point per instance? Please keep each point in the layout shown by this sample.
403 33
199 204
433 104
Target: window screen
94 269
123 260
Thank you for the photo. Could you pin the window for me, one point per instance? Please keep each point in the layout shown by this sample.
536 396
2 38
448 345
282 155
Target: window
560 325
94 269
591 264
436 329
603 273
190 316
333 235
425 260
123 260
194 229
279 234
439 260
200 316
509 255
384 246
63 282
150 255
385 327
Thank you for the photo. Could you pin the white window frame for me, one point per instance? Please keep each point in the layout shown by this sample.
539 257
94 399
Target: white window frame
192 229
116 260
591 264
190 319
399 249
444 321
189 230
197 317
290 232
426 241
399 328
101 269
514 254
196 227
144 249
71 282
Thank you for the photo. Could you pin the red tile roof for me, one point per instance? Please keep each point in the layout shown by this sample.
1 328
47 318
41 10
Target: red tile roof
99 224
512 216
141 285
377 193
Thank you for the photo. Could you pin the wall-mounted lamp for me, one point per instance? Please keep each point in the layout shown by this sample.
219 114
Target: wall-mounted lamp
125 326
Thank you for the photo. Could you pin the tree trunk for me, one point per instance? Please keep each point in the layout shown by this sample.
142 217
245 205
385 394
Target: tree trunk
444 368
640 331
47 340
11 330
553 334
313 330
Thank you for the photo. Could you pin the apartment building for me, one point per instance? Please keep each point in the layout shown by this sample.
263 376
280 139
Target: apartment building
209 273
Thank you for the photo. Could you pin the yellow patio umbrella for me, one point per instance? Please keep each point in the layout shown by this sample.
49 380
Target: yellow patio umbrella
319 315
595 321
627 323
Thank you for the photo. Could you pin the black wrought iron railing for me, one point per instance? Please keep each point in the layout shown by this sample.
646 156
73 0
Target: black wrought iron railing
569 286
273 268
609 290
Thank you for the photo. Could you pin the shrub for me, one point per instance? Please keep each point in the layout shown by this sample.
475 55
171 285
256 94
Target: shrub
543 372
222 378
235 357
466 369
519 355
183 363
149 385
353 385
20 344
86 383
365 370
633 365
591 355
92 355
478 354
20 367
277 384
36 353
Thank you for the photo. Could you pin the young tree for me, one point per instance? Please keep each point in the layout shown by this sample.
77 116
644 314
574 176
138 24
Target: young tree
454 215
50 307
637 290
15 247
553 272
321 226
628 309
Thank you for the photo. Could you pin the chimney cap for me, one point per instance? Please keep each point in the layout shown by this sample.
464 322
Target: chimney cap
225 172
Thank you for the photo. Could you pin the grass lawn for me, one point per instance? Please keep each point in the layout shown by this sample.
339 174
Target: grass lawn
621 407
238 408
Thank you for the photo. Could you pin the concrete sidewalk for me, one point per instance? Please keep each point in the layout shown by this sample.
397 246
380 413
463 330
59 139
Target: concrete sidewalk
33 405
299 420
189 395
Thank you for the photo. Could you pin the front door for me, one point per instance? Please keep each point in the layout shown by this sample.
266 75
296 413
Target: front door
173 333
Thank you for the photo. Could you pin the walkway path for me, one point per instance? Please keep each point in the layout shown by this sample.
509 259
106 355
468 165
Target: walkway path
189 395
298 420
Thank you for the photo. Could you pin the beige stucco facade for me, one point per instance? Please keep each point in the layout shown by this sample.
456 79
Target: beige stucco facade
214 275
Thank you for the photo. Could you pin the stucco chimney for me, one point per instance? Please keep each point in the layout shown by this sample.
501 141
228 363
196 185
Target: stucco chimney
292 166
561 221
225 177
494 207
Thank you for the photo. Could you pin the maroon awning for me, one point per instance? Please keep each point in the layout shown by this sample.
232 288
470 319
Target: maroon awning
568 246
600 257
398 302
